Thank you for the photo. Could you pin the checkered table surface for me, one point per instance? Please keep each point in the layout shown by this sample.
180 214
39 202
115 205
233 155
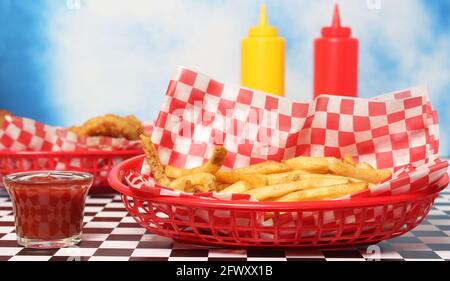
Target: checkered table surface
111 234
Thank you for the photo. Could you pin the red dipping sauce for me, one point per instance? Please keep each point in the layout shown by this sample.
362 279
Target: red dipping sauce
48 207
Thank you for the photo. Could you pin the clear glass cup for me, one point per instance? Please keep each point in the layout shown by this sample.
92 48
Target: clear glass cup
48 207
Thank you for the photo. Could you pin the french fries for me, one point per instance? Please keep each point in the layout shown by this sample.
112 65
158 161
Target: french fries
317 165
297 179
267 167
368 175
324 192
265 192
348 159
254 180
363 165
221 186
285 177
238 187
202 182
212 166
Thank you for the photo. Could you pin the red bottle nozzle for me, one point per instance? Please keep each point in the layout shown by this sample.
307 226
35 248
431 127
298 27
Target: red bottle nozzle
336 30
336 17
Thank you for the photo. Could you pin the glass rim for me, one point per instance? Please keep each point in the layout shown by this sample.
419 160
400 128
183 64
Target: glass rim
71 177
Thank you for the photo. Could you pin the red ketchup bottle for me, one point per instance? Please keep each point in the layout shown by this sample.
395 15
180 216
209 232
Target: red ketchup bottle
336 61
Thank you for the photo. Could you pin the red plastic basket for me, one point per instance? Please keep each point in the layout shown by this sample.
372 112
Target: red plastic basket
396 215
98 163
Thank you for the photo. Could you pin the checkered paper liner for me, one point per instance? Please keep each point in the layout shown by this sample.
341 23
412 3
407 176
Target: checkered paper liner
397 130
23 134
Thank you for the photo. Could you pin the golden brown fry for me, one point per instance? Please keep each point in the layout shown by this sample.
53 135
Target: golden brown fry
301 175
153 161
212 166
325 192
344 169
267 167
254 180
203 182
285 177
221 186
273 191
365 166
111 125
327 176
229 177
348 159
317 165
238 187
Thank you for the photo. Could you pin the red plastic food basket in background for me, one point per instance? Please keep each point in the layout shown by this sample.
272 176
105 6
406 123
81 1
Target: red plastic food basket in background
156 213
29 145
98 163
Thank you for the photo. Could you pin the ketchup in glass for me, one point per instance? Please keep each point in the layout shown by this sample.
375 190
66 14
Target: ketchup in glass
48 207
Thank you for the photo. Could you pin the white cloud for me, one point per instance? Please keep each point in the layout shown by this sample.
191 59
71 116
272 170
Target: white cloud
117 56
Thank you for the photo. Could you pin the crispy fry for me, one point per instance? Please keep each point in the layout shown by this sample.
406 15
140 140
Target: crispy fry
317 165
203 182
238 187
324 192
364 165
221 186
327 176
273 191
301 175
372 176
285 177
267 167
212 166
153 161
298 179
348 159
254 180
188 187
231 177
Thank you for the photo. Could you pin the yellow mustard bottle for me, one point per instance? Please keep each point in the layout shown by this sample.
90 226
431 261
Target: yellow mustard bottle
263 58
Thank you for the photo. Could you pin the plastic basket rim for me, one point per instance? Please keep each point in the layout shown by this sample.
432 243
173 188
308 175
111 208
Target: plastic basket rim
115 181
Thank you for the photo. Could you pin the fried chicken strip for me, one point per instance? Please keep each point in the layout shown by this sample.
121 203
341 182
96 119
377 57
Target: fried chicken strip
3 114
111 125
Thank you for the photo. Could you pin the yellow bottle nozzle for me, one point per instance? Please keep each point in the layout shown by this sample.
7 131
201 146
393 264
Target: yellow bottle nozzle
262 22
263 28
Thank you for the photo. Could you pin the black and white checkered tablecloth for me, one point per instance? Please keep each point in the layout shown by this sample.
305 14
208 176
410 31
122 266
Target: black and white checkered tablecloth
111 234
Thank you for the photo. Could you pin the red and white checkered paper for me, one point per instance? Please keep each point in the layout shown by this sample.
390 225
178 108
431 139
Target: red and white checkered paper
23 134
397 130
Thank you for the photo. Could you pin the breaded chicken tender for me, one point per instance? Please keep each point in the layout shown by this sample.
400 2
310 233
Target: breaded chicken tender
111 125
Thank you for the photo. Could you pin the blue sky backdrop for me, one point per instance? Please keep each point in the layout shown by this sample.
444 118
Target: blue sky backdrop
63 61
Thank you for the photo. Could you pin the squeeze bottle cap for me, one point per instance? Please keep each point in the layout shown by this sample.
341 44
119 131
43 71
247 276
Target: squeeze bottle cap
336 30
263 29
